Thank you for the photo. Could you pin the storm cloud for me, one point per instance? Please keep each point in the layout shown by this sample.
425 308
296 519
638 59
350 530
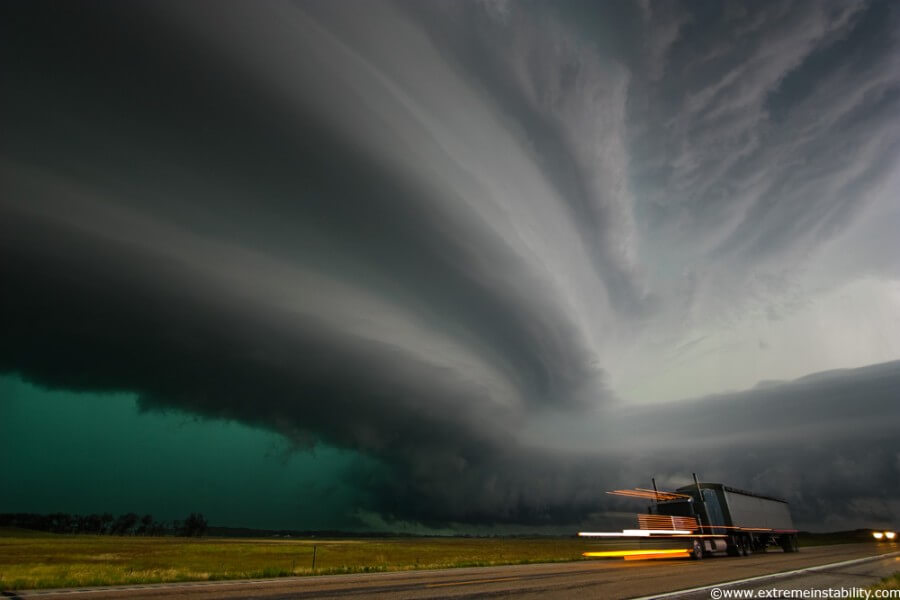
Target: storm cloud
477 242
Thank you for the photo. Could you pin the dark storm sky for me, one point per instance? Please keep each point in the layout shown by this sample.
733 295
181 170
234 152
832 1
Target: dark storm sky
480 255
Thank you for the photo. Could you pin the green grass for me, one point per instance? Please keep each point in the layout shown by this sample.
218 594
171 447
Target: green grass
888 583
30 560
840 537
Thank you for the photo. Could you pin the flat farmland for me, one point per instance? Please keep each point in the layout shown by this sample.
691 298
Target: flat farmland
32 560
36 560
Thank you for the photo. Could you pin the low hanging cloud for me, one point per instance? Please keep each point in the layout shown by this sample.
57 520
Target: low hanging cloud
418 233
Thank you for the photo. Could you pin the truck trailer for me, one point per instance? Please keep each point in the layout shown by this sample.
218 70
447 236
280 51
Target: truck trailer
702 519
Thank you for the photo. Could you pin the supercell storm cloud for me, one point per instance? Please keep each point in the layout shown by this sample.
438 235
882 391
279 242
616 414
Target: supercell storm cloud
491 245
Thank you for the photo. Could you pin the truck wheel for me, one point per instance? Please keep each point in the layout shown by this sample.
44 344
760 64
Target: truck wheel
789 543
697 551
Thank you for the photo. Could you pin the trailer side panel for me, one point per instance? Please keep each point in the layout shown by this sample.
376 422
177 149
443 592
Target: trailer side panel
754 511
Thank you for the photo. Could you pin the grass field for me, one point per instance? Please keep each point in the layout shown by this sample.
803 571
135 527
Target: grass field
888 583
860 536
31 559
42 560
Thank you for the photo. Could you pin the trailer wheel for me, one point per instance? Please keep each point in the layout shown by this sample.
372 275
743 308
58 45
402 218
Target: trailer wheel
789 543
697 551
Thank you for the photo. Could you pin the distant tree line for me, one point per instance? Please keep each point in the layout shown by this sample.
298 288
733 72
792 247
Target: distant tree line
194 525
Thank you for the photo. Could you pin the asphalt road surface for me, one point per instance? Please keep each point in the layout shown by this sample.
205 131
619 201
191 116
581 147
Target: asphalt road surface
607 579
844 576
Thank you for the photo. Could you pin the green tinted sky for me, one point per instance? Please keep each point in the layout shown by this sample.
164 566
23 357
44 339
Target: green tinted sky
86 452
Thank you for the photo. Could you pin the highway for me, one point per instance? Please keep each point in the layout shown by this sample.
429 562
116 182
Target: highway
607 579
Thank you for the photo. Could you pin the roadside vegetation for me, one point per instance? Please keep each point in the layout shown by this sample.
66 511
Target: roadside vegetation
31 560
37 559
855 536
888 583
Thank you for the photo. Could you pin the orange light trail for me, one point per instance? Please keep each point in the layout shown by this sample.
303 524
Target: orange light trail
648 494
735 527
638 554
646 521
661 494
658 555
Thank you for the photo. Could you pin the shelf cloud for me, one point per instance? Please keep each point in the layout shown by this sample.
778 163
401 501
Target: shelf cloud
492 245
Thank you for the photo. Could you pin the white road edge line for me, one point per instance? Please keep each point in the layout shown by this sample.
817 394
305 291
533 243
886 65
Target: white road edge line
763 577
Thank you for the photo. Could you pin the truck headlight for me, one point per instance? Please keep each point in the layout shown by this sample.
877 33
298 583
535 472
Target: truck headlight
890 535
877 535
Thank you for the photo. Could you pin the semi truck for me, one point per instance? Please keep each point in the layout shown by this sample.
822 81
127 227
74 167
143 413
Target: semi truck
701 520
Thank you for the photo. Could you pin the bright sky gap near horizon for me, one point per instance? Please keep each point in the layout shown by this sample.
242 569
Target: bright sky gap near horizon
449 266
